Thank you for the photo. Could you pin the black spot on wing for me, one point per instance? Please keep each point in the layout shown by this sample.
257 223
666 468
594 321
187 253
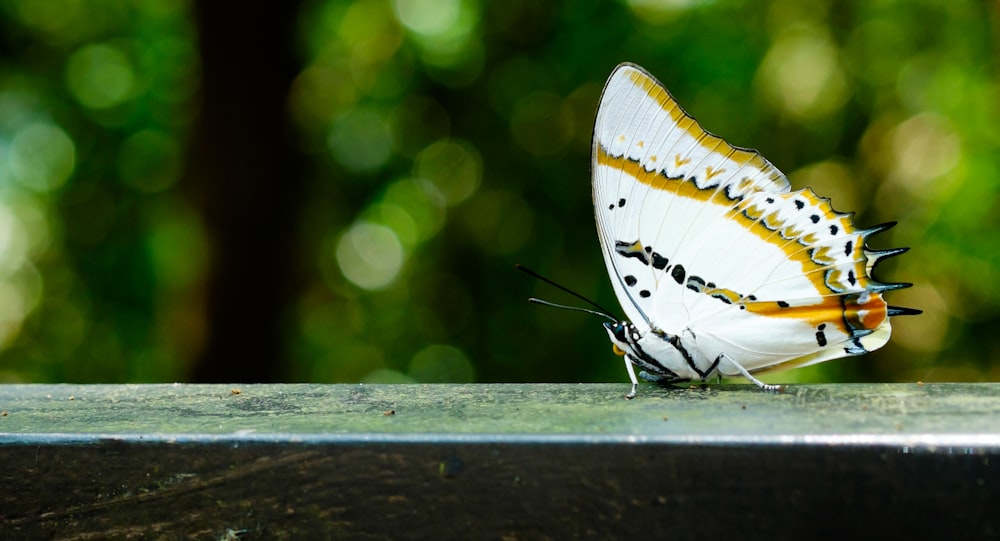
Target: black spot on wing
630 280
659 262
678 274
695 283
631 249
820 335
722 298
644 293
855 347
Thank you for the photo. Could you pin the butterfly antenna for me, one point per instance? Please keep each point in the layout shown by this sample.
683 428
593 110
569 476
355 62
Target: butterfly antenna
573 308
604 312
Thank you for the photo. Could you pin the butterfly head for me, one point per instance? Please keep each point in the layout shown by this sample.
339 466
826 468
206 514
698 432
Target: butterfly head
623 337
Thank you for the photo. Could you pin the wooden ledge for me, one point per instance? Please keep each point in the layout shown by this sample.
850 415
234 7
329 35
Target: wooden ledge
498 461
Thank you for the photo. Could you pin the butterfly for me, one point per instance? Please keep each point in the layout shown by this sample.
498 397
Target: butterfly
721 269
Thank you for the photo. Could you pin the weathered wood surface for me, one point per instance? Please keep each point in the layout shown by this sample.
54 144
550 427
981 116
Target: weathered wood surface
498 461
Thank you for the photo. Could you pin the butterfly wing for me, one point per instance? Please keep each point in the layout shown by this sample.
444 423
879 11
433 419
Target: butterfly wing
653 168
700 235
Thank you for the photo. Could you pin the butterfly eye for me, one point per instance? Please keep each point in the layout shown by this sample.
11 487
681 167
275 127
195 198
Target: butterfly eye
617 330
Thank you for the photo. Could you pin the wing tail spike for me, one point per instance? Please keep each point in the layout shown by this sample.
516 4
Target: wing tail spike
875 230
903 311
879 287
875 257
878 255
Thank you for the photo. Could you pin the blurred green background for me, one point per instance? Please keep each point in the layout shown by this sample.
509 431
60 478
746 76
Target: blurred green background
338 191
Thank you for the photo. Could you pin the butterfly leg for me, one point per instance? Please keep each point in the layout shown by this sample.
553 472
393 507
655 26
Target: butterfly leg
739 369
631 375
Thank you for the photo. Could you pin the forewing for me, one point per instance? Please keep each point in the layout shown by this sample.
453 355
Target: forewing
654 167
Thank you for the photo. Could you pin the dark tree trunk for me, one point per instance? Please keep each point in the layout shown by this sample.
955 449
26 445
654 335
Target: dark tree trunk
247 177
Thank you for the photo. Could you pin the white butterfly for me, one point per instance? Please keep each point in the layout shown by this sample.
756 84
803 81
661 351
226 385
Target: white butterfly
720 268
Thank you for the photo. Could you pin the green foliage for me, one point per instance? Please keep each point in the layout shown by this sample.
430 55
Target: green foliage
449 139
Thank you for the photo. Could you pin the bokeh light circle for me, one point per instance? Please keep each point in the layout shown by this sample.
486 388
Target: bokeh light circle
370 255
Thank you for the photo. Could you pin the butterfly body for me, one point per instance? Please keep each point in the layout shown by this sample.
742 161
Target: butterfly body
719 266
